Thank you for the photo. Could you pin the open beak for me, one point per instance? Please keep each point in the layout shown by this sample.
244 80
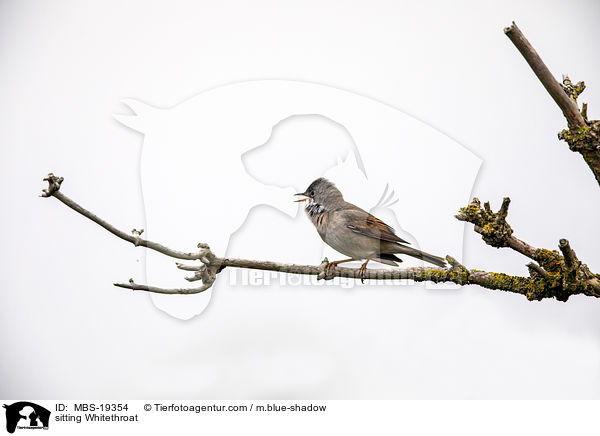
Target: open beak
302 199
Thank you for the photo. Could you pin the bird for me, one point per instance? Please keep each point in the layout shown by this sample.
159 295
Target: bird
353 231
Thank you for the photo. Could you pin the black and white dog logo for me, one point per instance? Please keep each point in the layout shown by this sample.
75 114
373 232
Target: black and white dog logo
26 415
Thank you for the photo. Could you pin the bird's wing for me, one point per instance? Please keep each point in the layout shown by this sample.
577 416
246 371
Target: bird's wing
362 222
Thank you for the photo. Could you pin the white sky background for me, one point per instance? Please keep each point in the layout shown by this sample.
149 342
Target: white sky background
67 332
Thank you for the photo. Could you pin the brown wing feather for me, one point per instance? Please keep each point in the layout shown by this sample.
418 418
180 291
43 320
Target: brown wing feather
374 228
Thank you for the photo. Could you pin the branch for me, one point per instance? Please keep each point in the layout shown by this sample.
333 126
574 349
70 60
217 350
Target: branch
569 107
54 191
493 228
555 275
536 271
548 279
137 287
583 136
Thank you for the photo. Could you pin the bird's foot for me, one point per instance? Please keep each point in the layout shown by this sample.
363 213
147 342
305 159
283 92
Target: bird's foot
362 270
329 267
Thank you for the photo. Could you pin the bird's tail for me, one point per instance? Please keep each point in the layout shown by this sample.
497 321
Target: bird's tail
436 260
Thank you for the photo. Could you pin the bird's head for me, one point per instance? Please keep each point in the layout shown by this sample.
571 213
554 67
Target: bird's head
321 195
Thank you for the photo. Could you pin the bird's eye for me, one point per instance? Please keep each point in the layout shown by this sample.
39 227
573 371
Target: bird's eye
312 193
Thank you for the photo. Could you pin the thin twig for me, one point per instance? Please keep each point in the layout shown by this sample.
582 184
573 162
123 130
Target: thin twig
137 287
133 238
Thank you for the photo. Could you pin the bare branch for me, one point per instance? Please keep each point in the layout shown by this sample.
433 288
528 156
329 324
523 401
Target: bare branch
568 254
136 287
53 190
584 112
569 107
575 272
183 267
583 136
536 271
